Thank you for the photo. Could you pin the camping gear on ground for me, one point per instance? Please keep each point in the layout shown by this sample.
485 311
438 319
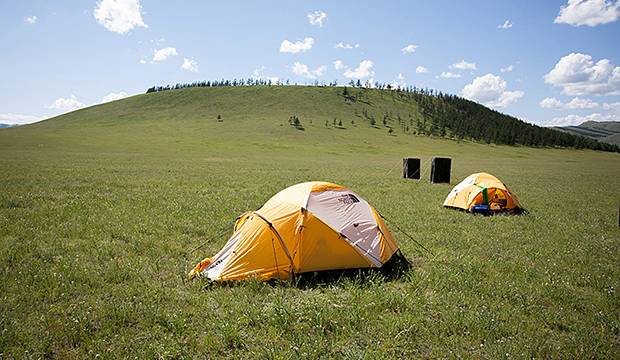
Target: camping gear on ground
482 189
307 227
440 170
480 209
411 168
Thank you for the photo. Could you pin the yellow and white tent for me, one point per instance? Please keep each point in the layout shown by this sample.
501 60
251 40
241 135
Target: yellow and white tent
311 226
482 189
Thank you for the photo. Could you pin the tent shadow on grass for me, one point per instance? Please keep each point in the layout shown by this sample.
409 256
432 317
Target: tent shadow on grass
396 268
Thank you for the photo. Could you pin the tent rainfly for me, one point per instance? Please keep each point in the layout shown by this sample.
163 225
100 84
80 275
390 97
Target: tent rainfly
482 190
307 227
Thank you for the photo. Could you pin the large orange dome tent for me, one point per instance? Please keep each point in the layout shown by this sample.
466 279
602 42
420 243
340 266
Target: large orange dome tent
311 226
482 189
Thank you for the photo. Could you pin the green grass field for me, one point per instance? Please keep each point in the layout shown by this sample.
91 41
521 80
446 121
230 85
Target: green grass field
99 208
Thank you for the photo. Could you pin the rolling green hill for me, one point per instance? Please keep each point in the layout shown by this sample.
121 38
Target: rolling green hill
100 210
259 110
606 131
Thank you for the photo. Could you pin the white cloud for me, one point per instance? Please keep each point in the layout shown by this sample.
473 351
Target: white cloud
163 54
303 70
449 75
506 25
297 46
588 12
575 103
114 96
490 90
577 75
31 19
573 120
411 48
508 68
142 61
66 104
317 18
615 107
463 65
421 70
190 65
18 119
550 103
364 70
119 16
339 65
579 103
342 45
259 74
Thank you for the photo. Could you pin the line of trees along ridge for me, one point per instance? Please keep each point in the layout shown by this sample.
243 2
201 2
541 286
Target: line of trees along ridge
450 115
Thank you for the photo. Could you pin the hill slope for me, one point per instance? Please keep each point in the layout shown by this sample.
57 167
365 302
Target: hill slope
357 113
606 131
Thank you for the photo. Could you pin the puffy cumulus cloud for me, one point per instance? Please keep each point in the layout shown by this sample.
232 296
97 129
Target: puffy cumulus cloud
114 96
303 70
421 70
31 19
297 46
18 119
259 74
409 49
588 12
449 75
463 65
342 45
190 65
577 74
163 54
505 26
573 120
578 103
119 16
550 103
508 68
142 61
363 70
66 104
575 103
339 65
490 90
317 18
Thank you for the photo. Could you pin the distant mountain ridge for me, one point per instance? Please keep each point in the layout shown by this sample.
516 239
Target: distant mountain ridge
605 131
4 126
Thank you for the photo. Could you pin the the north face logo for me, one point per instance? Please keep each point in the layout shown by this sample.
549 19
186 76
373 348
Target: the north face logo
348 199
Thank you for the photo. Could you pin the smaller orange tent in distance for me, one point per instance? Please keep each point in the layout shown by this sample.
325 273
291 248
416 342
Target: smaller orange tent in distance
482 189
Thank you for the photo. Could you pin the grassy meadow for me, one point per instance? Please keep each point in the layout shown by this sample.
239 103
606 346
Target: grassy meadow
100 208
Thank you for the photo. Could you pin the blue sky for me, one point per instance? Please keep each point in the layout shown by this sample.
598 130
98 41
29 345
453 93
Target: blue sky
547 62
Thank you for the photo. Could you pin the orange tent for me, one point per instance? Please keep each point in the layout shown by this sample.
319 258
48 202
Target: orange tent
482 189
307 227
